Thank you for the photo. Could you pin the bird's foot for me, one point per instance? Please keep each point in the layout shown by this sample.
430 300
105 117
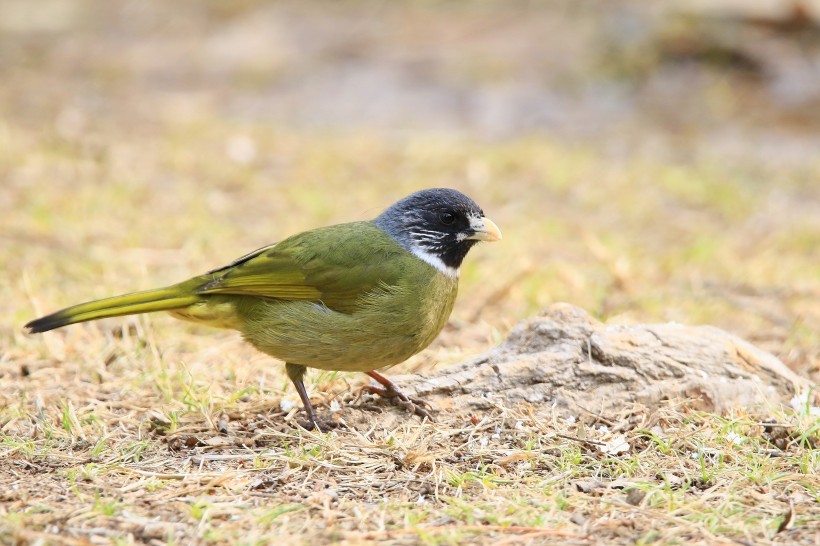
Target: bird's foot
312 422
322 425
413 405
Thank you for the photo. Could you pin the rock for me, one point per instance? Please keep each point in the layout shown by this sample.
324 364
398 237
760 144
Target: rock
565 359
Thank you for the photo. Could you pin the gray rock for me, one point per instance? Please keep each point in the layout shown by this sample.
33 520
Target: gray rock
565 359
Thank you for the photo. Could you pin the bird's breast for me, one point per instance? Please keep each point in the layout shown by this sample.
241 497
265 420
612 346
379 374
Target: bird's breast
388 326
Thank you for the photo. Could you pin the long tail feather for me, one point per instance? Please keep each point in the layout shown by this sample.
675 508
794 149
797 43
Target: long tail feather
161 299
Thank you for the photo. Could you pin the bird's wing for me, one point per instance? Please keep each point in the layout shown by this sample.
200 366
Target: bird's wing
334 266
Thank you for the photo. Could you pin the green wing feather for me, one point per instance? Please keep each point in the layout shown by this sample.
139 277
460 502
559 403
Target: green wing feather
339 266
336 266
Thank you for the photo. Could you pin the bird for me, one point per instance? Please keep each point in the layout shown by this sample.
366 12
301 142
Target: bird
359 296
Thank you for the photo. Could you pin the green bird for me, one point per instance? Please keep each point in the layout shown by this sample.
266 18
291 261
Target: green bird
359 296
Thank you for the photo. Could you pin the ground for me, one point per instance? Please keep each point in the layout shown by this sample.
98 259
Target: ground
140 145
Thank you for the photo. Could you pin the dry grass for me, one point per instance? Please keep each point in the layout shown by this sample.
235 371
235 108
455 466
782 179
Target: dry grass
111 431
151 431
103 463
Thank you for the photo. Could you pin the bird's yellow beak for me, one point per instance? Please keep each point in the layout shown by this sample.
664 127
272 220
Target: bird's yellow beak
485 230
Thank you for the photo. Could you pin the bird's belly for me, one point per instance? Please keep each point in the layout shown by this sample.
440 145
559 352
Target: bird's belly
214 312
380 335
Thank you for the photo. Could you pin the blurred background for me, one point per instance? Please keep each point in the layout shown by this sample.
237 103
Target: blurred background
647 161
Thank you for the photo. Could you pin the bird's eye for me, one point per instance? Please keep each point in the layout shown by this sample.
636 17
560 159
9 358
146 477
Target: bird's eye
447 217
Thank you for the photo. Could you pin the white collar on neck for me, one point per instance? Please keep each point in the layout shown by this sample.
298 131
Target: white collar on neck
434 260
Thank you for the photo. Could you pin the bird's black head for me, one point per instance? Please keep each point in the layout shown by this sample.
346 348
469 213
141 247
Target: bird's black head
439 226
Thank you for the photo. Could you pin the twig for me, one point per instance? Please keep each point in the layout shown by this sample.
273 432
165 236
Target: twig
498 528
598 416
582 440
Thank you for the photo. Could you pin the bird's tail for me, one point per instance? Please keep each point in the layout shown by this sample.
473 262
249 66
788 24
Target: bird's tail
162 299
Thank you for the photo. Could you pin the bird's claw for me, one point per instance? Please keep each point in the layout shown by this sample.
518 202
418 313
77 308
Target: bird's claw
412 405
322 425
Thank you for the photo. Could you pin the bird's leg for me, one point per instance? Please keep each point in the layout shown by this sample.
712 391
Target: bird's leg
296 372
391 391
